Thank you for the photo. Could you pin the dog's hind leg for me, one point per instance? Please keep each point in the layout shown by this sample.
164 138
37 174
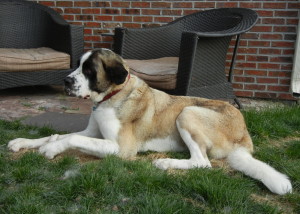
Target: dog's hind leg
197 150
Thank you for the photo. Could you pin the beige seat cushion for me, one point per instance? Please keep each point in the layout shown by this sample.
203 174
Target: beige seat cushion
36 59
158 73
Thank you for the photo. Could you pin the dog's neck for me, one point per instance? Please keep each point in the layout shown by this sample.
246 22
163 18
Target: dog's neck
109 95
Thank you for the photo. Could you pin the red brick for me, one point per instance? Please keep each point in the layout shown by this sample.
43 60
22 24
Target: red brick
150 12
273 21
204 5
64 4
259 43
286 13
188 12
110 11
294 5
243 79
92 38
265 13
257 58
182 5
226 4
282 44
92 24
84 17
69 17
287 67
260 28
101 4
87 31
47 3
288 52
248 50
149 25
132 25
140 4
250 5
103 18
265 95
142 18
161 4
238 86
246 65
275 5
284 29
72 10
91 11
163 19
256 72
281 59
120 4
172 12
244 93
131 11
107 38
271 36
292 21
268 66
284 81
82 4
103 45
267 80
254 87
278 88
279 74
123 18
270 51
100 31
250 36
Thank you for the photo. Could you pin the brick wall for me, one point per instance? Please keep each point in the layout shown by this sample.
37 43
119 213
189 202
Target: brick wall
265 57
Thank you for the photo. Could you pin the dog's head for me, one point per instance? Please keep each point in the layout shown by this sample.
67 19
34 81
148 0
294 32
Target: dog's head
100 71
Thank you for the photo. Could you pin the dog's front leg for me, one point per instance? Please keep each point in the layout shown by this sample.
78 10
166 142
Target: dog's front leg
92 146
23 143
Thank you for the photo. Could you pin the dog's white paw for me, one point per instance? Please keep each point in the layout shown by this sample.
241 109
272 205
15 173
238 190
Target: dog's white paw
52 149
49 150
19 143
169 163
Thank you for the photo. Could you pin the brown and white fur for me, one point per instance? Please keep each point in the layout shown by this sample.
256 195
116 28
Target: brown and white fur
130 117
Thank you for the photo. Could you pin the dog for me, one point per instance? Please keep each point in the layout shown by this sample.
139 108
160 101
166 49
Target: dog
130 117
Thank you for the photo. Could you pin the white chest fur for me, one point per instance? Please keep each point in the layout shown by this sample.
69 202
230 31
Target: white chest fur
108 122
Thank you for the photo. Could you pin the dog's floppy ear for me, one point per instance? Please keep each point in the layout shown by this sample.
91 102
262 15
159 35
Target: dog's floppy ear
116 72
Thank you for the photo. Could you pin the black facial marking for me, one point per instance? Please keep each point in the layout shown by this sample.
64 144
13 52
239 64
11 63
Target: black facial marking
90 72
116 73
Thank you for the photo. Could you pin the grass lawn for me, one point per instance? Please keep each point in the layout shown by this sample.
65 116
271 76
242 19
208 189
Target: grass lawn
29 183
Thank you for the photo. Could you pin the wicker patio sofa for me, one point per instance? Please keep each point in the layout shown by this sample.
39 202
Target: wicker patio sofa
26 26
200 41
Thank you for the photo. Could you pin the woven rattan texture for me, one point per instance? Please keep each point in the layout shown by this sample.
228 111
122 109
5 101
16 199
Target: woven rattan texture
201 40
26 24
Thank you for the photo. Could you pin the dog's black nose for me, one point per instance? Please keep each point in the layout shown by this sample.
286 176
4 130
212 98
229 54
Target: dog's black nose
69 81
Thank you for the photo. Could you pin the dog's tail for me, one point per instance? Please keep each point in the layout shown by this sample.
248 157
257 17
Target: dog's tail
241 160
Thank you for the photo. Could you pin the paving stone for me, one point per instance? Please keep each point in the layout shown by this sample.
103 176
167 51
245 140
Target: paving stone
59 121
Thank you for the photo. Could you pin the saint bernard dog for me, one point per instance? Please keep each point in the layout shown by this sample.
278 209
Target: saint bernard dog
130 117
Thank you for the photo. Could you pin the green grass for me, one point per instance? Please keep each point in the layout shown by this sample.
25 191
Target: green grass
32 184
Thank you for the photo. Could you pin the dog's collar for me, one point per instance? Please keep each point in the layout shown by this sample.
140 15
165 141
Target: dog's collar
108 96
